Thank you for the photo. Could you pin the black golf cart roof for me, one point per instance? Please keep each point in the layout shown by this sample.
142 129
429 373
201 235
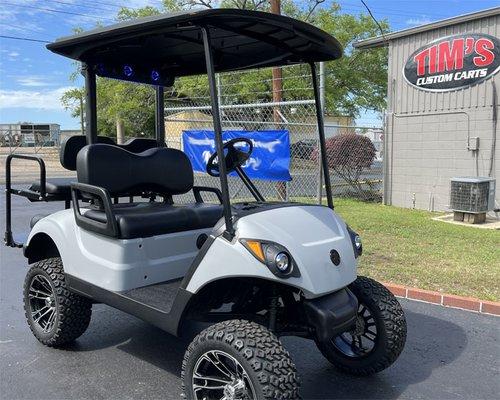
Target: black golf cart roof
172 44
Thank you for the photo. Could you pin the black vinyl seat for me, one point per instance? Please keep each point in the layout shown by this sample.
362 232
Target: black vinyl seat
161 171
57 187
150 219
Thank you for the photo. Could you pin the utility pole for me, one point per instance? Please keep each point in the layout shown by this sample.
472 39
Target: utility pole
277 98
277 72
120 131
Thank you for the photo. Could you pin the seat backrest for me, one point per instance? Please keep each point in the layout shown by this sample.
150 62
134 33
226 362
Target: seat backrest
160 170
138 145
71 145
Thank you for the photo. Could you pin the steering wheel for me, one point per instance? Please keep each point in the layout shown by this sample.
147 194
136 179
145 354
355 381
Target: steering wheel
233 158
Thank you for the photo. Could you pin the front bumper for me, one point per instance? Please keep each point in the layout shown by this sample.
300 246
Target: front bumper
331 314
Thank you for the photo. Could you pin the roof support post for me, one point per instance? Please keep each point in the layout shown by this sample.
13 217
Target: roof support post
160 116
90 104
214 98
321 132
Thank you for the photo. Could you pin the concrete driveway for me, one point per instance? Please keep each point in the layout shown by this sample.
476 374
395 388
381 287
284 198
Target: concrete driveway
450 354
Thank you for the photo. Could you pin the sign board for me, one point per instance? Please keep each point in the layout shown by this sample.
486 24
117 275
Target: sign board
453 62
270 157
28 138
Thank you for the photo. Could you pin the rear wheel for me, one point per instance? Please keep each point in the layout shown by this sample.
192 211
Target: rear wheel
378 337
238 360
55 315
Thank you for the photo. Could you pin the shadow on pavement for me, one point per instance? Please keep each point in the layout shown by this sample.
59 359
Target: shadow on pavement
134 337
431 344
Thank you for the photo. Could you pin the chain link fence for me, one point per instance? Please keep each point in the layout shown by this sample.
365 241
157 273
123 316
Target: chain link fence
247 103
30 139
28 135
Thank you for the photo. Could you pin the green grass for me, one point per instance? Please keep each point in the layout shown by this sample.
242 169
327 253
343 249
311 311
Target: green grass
407 247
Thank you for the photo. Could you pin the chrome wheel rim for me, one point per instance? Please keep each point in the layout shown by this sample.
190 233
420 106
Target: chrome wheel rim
362 339
218 375
42 303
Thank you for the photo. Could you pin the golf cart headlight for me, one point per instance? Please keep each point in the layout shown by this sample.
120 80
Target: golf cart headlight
357 242
357 245
282 261
276 257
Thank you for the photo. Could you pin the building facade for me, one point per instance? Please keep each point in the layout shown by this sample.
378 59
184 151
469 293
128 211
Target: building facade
441 119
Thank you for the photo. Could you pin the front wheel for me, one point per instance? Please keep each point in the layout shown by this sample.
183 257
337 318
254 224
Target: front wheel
378 337
238 360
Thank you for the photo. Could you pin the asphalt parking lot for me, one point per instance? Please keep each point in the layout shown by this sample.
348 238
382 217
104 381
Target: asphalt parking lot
450 354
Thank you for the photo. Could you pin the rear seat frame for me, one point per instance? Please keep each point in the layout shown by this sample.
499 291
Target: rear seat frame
29 194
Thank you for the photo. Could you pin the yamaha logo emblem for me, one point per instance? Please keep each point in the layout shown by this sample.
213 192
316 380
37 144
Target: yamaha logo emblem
453 62
335 257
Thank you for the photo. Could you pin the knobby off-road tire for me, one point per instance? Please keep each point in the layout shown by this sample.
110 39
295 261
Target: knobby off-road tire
71 312
267 365
386 316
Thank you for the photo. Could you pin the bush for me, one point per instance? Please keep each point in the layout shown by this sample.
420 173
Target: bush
348 155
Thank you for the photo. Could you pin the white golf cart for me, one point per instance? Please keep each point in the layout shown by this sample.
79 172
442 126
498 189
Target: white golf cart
240 275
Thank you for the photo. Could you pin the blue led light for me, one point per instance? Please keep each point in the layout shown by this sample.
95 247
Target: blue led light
155 75
128 71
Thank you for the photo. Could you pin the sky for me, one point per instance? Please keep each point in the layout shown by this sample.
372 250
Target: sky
32 79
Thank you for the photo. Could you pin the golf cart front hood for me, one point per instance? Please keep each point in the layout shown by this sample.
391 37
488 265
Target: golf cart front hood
310 233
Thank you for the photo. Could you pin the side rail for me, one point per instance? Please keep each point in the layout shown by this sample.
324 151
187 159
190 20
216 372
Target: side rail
36 196
101 195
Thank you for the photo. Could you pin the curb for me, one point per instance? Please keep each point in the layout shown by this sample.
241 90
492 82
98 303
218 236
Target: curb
446 300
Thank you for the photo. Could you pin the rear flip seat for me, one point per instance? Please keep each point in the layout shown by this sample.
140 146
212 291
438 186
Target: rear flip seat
57 187
60 188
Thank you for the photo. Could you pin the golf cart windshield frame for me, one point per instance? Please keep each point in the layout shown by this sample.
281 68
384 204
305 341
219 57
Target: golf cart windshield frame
311 45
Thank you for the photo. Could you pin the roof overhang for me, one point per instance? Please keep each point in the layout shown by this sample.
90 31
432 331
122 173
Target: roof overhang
380 41
172 44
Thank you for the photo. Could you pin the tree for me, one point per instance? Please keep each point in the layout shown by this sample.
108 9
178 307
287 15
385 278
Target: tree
349 155
356 82
125 106
73 101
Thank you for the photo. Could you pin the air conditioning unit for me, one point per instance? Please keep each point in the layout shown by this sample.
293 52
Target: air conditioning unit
472 195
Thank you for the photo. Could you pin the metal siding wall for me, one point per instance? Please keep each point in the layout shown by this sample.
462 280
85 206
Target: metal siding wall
426 150
412 100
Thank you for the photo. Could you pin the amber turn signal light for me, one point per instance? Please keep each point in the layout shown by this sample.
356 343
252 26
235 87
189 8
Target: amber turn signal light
255 248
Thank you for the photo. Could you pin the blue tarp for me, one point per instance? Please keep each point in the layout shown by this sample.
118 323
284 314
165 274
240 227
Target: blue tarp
270 158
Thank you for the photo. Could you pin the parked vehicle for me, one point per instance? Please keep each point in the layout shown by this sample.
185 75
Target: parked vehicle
237 275
303 149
